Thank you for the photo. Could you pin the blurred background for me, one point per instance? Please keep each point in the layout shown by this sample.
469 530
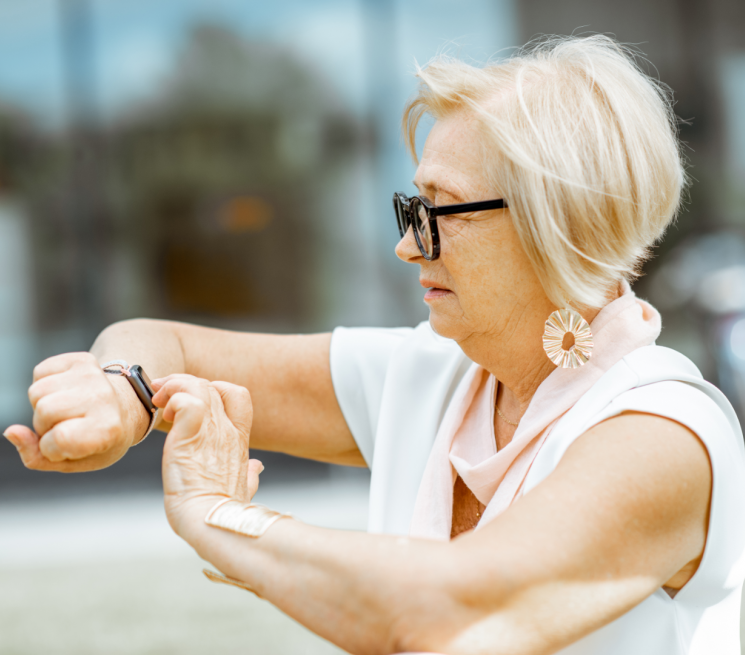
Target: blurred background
231 163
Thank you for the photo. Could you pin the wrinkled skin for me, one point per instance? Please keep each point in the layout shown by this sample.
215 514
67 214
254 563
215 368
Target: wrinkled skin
206 453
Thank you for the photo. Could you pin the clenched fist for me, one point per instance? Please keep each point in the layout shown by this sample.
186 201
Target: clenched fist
206 452
83 420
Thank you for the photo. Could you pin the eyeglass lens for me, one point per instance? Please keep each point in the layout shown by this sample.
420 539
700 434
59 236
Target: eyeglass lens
403 224
410 211
421 224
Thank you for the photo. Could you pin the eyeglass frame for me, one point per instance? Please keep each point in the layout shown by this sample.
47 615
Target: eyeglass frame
404 202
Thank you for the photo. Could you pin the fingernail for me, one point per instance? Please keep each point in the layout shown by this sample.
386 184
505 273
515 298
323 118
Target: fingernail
262 468
8 436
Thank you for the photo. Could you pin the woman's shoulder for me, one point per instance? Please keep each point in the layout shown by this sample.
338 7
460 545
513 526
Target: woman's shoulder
669 384
657 381
656 377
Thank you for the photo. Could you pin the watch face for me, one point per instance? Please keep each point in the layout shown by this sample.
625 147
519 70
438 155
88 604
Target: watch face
142 386
138 370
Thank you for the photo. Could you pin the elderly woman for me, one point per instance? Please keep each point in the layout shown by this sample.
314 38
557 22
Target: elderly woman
543 476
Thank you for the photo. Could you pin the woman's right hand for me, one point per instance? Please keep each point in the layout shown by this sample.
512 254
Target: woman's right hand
84 419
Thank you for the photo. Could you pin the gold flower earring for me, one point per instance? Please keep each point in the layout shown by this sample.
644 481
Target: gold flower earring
565 327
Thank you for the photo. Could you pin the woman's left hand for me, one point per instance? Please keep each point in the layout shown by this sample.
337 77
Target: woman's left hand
205 457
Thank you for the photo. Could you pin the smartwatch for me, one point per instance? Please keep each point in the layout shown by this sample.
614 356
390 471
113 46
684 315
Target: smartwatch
140 382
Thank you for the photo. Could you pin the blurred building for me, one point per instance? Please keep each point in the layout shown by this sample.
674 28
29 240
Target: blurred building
232 164
228 164
215 182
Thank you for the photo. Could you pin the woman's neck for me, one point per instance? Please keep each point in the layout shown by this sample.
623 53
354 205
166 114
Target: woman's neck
516 357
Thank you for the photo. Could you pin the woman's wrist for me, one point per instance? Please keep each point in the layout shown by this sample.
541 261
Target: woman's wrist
255 562
187 516
135 420
223 546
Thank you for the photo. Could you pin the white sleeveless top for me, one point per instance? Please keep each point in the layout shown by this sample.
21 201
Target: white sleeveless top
394 385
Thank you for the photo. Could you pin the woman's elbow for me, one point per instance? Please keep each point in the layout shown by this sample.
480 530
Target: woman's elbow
438 611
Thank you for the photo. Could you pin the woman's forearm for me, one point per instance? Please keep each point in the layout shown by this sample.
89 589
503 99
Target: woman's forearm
154 345
295 406
365 593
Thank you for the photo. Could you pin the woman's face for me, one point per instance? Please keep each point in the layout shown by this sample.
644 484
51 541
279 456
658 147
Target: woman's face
483 284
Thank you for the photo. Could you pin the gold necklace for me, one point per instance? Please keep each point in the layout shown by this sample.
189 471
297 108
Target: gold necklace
505 419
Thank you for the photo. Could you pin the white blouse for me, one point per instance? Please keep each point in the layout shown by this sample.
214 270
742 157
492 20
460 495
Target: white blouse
394 385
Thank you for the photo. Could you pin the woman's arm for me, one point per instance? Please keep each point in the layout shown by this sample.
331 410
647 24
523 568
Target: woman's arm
84 419
289 378
623 513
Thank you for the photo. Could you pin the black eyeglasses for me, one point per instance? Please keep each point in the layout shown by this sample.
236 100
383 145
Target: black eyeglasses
420 212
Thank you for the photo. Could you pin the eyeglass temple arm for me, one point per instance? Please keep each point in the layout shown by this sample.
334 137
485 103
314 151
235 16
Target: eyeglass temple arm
465 207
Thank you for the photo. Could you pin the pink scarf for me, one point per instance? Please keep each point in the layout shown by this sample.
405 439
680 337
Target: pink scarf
465 443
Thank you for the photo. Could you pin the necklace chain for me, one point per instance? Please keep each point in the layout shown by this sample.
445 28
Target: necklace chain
505 419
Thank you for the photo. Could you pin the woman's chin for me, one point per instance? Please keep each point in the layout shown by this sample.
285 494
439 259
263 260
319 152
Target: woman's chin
443 325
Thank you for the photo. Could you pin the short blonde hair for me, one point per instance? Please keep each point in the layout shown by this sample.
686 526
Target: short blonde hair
581 143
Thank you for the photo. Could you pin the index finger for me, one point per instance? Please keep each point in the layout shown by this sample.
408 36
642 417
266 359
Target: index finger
181 383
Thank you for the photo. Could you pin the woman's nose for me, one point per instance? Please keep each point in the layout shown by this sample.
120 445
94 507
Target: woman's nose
407 249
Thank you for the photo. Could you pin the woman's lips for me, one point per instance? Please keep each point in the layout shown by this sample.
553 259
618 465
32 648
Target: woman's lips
435 293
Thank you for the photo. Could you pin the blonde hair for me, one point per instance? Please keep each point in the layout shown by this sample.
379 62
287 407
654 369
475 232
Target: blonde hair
581 143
